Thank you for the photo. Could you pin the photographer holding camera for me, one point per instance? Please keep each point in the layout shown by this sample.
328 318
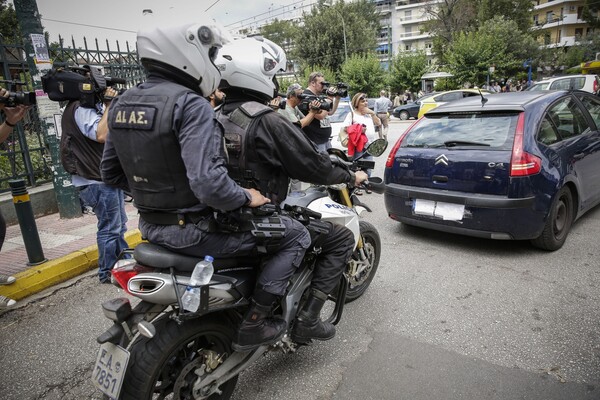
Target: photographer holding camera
291 111
84 131
319 129
12 115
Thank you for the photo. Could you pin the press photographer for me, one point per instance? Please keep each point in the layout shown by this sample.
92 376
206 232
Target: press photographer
319 129
12 115
84 129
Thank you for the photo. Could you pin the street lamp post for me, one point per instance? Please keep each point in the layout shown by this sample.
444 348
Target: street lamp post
343 29
344 32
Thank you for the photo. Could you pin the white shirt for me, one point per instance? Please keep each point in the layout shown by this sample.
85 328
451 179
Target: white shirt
362 119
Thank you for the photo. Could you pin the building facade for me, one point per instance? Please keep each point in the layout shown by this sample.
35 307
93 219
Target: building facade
560 22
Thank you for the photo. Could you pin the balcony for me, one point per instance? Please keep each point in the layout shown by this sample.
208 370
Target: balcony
567 19
384 10
417 19
554 3
412 36
408 4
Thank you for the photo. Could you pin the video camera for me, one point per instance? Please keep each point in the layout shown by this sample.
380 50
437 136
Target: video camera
72 83
324 100
341 89
18 96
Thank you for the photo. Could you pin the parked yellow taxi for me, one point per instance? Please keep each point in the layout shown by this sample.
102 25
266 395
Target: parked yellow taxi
446 97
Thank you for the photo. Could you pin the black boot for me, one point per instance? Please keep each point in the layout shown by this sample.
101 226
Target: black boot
308 325
258 329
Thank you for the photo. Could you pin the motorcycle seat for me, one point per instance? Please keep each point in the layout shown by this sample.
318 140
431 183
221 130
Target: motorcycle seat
155 256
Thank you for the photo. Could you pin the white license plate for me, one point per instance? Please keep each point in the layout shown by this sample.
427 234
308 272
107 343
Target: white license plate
438 209
110 368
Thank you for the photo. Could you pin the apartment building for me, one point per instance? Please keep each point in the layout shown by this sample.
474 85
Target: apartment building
560 22
407 30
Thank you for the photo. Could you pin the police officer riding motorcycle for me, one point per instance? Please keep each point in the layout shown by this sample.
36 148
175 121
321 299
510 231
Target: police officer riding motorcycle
266 151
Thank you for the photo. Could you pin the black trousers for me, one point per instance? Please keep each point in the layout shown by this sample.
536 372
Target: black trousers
336 249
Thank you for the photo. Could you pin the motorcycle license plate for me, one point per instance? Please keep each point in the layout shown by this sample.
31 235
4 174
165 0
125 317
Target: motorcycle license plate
110 368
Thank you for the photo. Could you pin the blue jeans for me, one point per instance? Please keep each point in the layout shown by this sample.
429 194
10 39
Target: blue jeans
109 207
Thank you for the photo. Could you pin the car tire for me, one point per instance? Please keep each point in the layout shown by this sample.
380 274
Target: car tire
404 115
559 222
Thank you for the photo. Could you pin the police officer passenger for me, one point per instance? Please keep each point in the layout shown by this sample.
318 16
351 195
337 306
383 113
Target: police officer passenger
266 151
166 146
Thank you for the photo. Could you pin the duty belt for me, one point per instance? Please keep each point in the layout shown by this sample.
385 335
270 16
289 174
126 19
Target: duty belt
160 218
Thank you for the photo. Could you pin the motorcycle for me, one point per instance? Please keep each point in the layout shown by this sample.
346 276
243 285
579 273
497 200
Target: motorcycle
156 349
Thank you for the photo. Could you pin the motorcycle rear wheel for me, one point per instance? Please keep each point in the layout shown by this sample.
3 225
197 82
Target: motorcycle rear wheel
372 247
163 367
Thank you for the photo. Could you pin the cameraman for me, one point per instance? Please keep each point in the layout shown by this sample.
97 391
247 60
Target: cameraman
84 131
319 129
291 110
12 115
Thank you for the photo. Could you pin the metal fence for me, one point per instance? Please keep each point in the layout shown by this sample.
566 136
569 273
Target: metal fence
25 154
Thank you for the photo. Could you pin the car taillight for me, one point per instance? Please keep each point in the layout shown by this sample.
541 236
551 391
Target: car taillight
125 269
521 162
595 89
390 160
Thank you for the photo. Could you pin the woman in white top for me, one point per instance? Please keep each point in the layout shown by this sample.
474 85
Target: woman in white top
362 114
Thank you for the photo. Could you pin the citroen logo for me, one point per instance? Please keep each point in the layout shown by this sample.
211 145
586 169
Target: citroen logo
442 160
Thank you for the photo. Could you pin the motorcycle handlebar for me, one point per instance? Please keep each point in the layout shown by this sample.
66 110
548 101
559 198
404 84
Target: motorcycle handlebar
374 184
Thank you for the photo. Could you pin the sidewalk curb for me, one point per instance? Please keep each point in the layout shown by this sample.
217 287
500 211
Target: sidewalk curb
52 272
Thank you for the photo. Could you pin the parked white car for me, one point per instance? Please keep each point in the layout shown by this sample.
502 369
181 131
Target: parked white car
588 83
337 121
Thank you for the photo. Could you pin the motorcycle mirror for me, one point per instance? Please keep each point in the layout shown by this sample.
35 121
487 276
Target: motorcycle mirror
377 147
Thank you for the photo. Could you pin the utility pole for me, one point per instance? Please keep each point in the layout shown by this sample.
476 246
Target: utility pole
39 62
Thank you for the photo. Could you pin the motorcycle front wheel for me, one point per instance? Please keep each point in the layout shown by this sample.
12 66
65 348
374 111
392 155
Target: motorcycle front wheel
372 248
163 367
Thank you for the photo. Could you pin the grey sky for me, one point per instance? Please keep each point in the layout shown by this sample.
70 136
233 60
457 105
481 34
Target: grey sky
81 17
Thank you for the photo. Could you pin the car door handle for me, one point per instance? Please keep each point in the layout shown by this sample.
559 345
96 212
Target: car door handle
579 156
439 179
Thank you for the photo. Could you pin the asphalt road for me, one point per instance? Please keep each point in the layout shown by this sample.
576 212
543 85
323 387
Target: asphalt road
446 317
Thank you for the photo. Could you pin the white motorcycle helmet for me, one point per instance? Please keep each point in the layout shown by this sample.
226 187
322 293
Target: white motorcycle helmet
185 51
251 64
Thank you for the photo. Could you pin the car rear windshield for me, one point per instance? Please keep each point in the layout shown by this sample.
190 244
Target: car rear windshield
492 131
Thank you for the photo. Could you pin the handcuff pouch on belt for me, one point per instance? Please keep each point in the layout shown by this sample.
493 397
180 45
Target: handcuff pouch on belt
267 229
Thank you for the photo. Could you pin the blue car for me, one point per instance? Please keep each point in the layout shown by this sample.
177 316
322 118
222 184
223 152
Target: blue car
520 166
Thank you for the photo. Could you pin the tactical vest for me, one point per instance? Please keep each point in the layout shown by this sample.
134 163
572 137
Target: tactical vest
140 123
240 130
79 154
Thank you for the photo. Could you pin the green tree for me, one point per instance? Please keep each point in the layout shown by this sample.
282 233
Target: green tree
406 71
321 40
451 18
590 13
363 73
497 43
284 33
584 50
9 26
518 11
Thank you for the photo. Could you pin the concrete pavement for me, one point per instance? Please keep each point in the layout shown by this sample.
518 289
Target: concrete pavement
69 245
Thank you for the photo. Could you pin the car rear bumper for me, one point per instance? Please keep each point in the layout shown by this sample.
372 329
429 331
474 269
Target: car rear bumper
486 216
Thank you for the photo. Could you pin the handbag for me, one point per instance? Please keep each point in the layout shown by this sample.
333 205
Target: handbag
343 134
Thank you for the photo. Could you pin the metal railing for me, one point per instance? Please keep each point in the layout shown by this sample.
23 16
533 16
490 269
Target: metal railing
24 154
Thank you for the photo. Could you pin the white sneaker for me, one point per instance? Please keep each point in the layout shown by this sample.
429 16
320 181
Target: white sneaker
6 279
5 302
